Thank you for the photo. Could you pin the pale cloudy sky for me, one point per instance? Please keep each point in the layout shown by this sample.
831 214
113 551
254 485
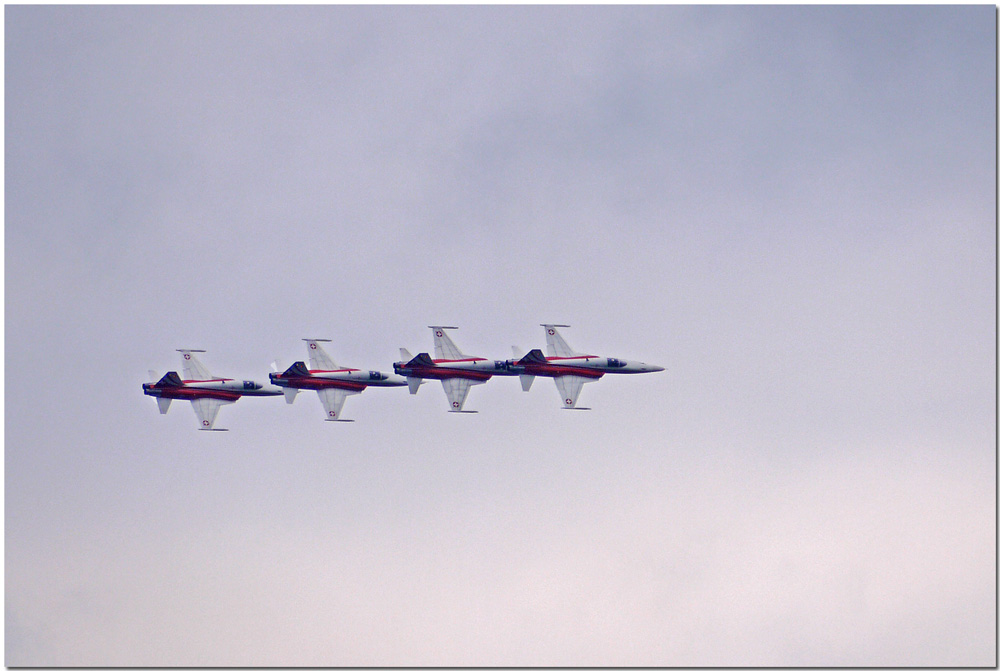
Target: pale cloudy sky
791 208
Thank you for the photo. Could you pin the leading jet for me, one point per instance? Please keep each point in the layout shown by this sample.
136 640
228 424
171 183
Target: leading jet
457 371
332 383
206 392
569 369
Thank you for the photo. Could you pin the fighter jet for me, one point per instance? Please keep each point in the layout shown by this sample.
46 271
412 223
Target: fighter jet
570 370
333 383
206 392
457 371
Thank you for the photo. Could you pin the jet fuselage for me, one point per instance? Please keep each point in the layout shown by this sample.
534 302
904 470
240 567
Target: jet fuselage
584 365
469 368
351 379
223 389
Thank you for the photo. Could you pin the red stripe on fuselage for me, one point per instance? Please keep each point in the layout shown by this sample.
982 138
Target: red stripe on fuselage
458 360
548 370
191 393
323 383
436 373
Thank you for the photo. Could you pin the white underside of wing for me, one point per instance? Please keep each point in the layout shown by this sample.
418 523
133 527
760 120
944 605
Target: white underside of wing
569 387
457 389
333 401
206 409
318 358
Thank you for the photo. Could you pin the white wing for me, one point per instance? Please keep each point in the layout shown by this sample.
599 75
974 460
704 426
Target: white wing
333 401
193 369
206 409
444 348
569 388
318 358
457 389
556 345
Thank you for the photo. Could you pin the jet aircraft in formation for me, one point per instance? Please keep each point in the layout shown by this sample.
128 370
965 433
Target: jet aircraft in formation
206 392
332 383
457 371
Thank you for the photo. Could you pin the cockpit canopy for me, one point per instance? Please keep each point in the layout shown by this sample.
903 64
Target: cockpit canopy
616 363
375 375
250 385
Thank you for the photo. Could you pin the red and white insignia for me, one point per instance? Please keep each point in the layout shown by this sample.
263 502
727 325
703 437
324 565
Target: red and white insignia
312 345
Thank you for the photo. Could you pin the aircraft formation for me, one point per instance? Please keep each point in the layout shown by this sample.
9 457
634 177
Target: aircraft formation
457 371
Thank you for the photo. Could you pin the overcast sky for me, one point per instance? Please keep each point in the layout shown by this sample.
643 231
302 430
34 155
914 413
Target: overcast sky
792 209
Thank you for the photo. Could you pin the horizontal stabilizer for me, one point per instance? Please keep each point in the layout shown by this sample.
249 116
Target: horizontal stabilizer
404 354
290 393
414 384
163 403
518 352
526 381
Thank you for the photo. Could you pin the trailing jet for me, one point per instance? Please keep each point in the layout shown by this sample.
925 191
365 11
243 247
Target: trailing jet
332 383
570 370
457 371
206 392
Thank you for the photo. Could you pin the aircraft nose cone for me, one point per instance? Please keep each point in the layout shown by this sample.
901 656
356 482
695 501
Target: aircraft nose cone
656 369
396 380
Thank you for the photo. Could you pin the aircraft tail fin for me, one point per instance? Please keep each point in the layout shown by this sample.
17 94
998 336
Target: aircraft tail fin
297 369
557 346
422 359
534 356
444 348
170 379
